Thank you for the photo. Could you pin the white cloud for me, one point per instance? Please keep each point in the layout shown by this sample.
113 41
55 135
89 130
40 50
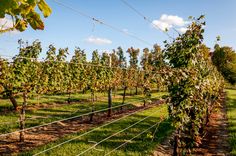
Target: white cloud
182 30
98 41
161 25
172 20
169 21
6 23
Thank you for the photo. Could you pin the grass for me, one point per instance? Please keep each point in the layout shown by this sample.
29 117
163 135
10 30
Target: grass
231 112
9 121
42 99
142 145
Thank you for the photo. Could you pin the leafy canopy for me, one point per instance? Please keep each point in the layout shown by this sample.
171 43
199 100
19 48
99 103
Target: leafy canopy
224 58
23 12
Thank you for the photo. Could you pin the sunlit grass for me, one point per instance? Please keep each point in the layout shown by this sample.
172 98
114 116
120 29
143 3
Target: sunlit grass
54 110
231 111
142 145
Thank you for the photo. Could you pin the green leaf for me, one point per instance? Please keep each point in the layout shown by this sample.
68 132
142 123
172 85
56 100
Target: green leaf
6 7
35 21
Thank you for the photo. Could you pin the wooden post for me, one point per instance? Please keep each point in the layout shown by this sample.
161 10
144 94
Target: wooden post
137 81
69 96
38 98
123 100
115 91
176 141
92 114
22 117
109 101
109 92
13 101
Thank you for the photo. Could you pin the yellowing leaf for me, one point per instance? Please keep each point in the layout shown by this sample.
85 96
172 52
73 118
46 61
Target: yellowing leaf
43 6
21 25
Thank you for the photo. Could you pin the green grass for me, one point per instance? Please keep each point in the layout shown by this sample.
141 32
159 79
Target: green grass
142 145
8 121
231 112
43 99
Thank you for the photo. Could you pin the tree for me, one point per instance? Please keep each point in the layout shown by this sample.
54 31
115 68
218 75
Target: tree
106 75
122 64
146 75
25 69
224 58
133 62
23 12
22 74
157 64
157 57
63 77
93 83
7 82
78 70
194 86
116 71
49 70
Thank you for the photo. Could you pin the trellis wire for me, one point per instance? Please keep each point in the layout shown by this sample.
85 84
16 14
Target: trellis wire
85 114
127 141
103 23
84 64
114 134
145 18
88 132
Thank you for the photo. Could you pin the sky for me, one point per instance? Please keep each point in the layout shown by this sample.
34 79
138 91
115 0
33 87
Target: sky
66 28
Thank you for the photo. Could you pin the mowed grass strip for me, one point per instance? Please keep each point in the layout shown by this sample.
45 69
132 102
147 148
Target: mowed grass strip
142 145
231 112
9 121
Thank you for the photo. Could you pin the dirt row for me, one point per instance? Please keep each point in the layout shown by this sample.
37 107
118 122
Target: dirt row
214 143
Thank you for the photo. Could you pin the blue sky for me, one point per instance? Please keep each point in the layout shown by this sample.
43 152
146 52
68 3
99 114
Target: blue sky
65 28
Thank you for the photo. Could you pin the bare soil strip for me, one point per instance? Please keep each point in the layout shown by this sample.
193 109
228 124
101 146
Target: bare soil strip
215 142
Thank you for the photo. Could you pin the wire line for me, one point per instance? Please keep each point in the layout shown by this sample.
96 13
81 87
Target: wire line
145 18
113 121
103 23
101 110
7 57
127 141
118 132
114 134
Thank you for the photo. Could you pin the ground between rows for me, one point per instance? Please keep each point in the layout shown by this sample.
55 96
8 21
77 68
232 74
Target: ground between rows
40 136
